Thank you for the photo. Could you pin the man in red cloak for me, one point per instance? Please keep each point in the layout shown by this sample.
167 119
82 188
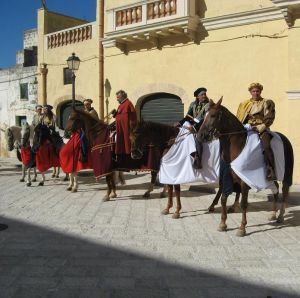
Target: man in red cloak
125 118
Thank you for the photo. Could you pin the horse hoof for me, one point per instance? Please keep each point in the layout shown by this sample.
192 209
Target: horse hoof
22 180
222 228
165 212
65 179
33 180
74 190
41 183
57 176
69 188
28 184
52 176
162 195
113 195
176 215
241 233
272 217
211 209
105 199
280 219
146 194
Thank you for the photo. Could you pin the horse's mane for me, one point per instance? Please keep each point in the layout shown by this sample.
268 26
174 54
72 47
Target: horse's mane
231 118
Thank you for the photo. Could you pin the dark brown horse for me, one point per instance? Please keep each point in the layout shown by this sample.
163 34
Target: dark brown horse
160 135
221 123
81 120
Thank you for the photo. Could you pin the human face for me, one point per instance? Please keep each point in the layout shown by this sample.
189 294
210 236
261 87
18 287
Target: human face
45 111
119 97
87 105
39 111
255 93
201 97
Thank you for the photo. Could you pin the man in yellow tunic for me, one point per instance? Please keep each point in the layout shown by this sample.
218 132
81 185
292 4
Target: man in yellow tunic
260 114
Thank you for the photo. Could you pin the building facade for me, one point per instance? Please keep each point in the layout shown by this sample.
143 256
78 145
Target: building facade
18 88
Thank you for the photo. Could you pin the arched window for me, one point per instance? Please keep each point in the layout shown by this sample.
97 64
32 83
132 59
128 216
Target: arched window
162 107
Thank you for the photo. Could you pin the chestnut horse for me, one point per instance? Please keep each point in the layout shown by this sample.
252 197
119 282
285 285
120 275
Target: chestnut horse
220 122
160 135
81 120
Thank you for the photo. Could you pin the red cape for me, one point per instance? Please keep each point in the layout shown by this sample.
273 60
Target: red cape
25 155
46 157
69 156
126 116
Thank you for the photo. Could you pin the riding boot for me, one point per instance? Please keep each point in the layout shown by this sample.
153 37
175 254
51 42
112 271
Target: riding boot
197 164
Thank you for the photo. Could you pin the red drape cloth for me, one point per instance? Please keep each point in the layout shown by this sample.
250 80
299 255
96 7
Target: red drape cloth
46 157
126 116
25 156
69 156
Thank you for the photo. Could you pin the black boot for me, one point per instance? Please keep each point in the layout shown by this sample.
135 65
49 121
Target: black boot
197 163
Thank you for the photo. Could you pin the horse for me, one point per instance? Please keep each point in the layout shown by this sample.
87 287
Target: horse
82 121
163 136
17 138
220 122
42 134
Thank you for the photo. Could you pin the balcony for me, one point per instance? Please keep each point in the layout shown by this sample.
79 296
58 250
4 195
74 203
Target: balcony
150 21
290 10
70 36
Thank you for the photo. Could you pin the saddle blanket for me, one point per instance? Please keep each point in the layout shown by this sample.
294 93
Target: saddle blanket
177 164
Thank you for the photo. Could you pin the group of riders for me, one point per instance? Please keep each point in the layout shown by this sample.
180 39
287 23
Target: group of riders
257 112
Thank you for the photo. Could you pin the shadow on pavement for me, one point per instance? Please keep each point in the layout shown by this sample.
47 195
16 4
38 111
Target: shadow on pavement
39 262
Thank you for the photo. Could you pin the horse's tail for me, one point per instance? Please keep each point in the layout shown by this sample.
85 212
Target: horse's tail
288 158
19 155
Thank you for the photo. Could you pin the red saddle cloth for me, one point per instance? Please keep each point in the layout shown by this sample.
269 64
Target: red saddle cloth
70 156
46 157
101 154
25 156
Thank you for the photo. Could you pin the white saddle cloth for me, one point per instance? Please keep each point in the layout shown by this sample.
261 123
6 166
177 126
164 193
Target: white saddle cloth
177 164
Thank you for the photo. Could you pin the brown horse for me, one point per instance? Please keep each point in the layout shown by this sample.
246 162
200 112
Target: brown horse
221 123
160 135
81 120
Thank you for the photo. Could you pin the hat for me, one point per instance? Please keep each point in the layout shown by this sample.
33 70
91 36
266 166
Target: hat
38 106
88 100
199 90
256 85
48 107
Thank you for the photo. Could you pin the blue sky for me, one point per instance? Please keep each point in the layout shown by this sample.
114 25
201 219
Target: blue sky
17 16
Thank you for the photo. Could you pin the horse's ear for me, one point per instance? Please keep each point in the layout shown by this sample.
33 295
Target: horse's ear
211 103
219 102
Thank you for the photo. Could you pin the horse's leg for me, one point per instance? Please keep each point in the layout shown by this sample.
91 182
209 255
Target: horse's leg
43 179
113 193
75 182
222 225
57 173
67 177
275 201
232 208
244 204
163 193
285 196
151 185
71 181
23 174
121 178
34 174
28 182
53 172
215 201
108 191
170 200
178 206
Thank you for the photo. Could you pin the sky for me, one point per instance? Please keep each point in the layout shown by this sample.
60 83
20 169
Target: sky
17 16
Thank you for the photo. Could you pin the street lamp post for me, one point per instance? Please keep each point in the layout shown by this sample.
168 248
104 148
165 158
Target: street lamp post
73 64
107 87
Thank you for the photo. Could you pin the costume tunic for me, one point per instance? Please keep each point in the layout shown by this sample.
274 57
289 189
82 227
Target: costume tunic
126 116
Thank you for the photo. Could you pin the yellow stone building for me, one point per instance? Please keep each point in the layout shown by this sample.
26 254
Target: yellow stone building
161 51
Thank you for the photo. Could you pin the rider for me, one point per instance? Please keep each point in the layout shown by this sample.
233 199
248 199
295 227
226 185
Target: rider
125 118
88 108
48 118
37 115
195 116
260 114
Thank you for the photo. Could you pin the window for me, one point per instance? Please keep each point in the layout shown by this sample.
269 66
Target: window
21 120
67 76
24 91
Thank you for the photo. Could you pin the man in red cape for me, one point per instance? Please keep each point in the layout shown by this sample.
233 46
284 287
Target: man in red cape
125 118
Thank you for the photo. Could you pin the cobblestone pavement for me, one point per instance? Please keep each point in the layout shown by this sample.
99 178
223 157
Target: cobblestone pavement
62 244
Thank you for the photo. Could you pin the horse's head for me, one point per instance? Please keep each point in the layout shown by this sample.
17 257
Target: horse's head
74 123
25 135
137 138
211 122
9 139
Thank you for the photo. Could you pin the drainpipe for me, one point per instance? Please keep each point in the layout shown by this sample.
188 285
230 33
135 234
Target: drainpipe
44 72
101 59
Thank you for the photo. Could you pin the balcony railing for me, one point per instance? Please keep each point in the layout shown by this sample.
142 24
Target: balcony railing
70 36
